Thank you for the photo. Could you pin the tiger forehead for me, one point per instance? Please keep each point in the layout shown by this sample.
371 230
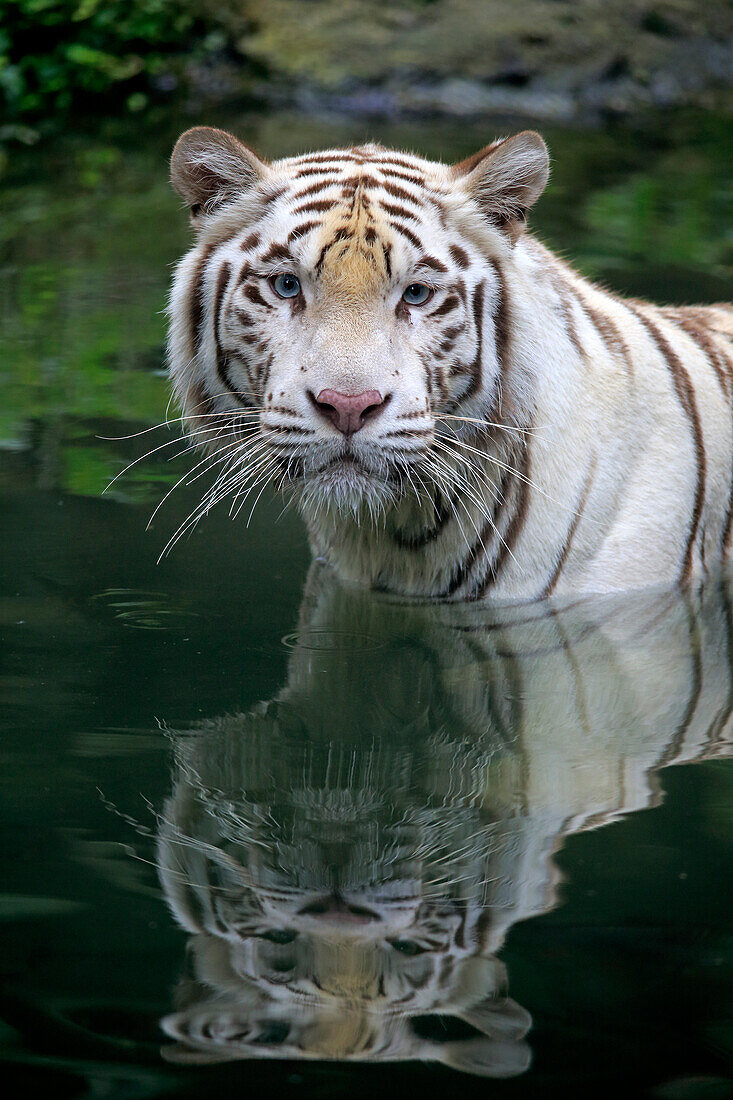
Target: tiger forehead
354 204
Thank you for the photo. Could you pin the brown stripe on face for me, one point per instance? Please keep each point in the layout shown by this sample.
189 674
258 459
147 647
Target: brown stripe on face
313 188
391 173
439 378
452 332
222 372
252 291
196 299
567 316
323 171
326 158
406 233
398 211
501 327
388 161
351 183
274 193
387 250
432 262
398 192
250 242
554 578
265 370
686 394
460 256
477 306
198 401
316 206
447 306
301 230
276 252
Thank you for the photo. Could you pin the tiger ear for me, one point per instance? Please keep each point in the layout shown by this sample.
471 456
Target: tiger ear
507 177
504 1019
485 1057
211 167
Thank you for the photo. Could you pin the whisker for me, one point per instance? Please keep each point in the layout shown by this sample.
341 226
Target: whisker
488 423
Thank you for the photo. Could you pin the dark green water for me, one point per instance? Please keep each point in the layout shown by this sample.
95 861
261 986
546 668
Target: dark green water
335 844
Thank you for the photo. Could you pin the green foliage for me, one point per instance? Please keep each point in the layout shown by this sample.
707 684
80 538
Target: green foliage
53 53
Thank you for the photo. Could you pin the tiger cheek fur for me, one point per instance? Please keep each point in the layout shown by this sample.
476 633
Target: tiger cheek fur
455 411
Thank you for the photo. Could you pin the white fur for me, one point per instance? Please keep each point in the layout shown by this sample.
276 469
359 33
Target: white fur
612 457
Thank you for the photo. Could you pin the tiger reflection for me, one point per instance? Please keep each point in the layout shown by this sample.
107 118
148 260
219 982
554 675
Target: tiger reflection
350 856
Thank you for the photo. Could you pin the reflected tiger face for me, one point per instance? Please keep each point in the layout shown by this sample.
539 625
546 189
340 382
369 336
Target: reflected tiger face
349 856
339 917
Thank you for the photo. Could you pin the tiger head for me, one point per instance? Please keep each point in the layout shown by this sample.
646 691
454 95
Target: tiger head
341 322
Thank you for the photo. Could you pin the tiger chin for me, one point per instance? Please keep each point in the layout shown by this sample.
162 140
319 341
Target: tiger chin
456 412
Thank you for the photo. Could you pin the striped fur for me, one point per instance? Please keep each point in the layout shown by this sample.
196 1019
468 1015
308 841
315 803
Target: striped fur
542 436
470 743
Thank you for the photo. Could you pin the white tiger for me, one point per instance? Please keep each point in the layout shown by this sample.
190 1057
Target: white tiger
458 412
350 856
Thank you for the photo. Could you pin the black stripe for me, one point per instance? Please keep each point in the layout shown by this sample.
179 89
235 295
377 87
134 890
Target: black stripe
398 211
316 206
516 524
222 282
301 230
461 572
448 305
477 306
560 565
686 394
417 540
196 305
407 233
459 256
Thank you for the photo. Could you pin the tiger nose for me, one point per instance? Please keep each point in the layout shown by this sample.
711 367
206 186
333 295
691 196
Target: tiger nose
349 412
335 907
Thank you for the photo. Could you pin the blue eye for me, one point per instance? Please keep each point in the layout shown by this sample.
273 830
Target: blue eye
286 285
407 947
417 294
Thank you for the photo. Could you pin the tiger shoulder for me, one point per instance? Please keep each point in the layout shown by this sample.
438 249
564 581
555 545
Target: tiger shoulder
454 410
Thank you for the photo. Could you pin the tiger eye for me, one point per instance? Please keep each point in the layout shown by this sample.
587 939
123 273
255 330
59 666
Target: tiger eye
407 947
286 285
417 294
279 936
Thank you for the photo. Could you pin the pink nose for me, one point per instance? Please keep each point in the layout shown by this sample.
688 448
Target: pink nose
336 908
349 413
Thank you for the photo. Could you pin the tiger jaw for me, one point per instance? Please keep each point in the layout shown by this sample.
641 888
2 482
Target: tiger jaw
345 482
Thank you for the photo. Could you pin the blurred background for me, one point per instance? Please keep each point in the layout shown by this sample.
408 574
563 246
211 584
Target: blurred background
633 96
